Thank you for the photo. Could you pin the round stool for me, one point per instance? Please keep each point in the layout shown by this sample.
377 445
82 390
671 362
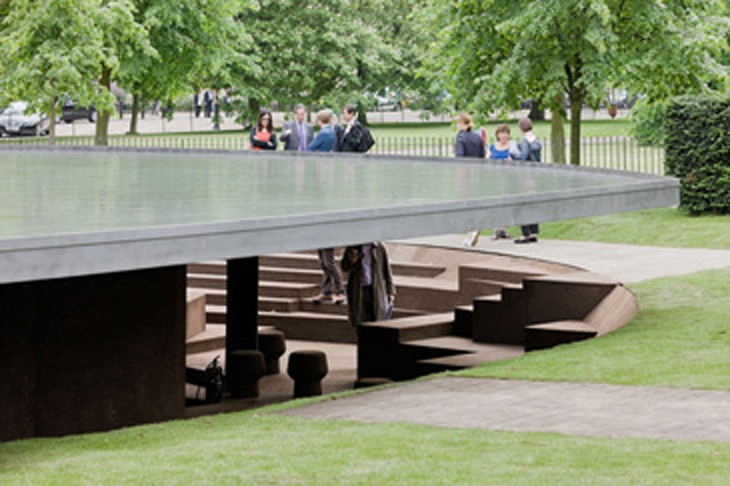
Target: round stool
307 368
273 345
245 368
372 381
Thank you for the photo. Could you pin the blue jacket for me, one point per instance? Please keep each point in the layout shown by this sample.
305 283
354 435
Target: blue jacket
324 141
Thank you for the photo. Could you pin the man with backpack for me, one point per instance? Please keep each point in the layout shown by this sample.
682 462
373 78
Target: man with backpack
355 137
529 150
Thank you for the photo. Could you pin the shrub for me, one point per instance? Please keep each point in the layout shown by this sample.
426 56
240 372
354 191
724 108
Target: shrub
698 152
647 122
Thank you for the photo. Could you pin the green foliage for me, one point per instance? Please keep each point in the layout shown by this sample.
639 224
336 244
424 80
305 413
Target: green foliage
698 152
497 53
48 49
655 227
647 122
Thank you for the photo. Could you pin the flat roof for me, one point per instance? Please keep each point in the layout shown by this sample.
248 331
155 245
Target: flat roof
66 212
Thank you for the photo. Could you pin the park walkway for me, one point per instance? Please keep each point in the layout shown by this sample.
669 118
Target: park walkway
567 408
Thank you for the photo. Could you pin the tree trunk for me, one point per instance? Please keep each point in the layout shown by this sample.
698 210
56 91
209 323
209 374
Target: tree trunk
254 108
217 113
52 119
102 120
537 112
576 107
362 112
135 115
557 130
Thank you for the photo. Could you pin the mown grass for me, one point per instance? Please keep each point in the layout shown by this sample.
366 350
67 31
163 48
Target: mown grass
259 448
668 227
679 338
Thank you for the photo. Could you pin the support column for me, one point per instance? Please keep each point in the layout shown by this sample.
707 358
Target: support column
92 353
242 301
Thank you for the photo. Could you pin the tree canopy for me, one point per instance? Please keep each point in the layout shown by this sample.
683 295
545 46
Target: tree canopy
497 53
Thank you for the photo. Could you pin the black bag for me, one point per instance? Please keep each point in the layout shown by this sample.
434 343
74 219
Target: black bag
211 378
366 140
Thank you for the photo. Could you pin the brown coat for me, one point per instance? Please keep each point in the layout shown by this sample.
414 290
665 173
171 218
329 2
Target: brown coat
382 282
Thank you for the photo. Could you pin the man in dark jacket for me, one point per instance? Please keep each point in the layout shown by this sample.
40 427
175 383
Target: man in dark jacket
353 132
370 289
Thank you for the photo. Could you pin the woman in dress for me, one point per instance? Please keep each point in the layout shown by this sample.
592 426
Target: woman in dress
263 136
500 151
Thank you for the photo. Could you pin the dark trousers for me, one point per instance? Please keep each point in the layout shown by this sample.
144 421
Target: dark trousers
367 312
530 229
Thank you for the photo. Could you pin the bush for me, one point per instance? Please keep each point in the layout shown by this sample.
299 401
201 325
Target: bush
647 122
698 152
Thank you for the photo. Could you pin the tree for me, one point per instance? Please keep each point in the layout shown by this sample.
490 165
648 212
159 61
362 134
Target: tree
402 34
194 41
322 53
500 52
124 40
48 49
69 47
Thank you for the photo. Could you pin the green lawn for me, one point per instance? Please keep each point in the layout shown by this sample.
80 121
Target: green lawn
657 227
679 338
258 448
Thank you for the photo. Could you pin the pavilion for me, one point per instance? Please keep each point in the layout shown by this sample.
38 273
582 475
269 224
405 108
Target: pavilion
94 243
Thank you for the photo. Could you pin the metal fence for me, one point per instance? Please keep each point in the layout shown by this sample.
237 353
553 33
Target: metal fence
620 153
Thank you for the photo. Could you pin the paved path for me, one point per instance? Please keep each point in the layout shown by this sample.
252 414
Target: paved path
567 408
523 406
625 263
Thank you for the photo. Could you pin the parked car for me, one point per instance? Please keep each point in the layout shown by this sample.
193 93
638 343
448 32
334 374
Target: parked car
70 112
15 121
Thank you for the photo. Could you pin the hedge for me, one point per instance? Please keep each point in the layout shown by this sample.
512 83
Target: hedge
697 131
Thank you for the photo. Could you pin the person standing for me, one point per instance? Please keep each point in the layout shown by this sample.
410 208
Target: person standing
263 136
370 288
198 104
297 134
339 132
325 140
500 151
468 144
528 149
332 286
208 103
353 131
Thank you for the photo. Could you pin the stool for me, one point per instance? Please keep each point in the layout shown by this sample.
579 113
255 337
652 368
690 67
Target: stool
244 369
372 381
307 368
273 345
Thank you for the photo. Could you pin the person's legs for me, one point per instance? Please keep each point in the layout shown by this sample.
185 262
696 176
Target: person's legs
331 276
529 234
325 292
367 311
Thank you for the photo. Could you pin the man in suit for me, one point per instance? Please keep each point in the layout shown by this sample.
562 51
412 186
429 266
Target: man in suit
297 134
